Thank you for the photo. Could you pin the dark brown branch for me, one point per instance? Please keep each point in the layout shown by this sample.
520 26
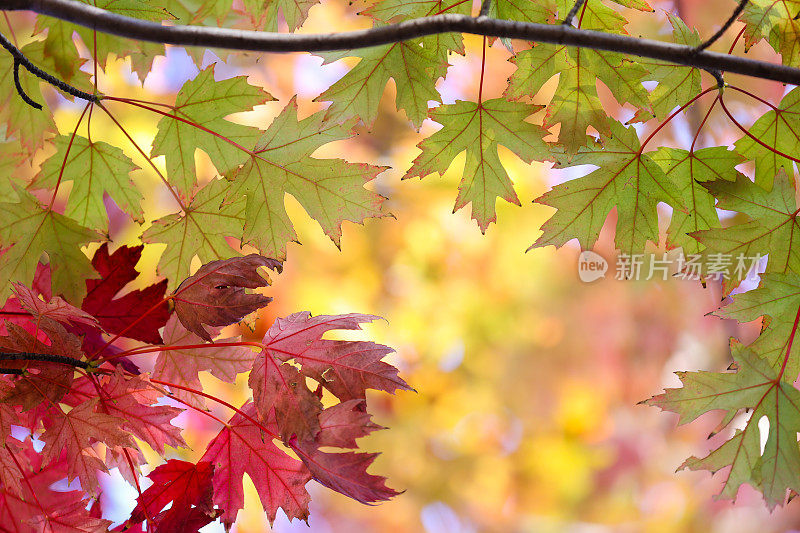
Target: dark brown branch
736 12
572 12
45 357
20 59
15 371
22 94
486 6
103 21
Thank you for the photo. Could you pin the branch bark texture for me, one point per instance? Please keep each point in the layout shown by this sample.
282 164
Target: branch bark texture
212 37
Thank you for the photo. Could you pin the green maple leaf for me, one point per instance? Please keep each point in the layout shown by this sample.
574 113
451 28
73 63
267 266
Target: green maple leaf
575 104
414 65
99 44
754 385
94 168
479 129
627 179
11 157
205 102
200 230
676 84
686 169
777 299
778 128
777 23
414 68
30 231
29 125
265 13
773 227
330 190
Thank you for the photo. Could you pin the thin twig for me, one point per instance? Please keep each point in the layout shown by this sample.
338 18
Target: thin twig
572 12
486 6
232 39
711 40
27 99
20 59
45 357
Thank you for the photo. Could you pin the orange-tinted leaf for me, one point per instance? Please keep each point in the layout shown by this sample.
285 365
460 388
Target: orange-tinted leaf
215 295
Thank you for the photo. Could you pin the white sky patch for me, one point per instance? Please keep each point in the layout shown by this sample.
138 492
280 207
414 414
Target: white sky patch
170 73
763 429
311 77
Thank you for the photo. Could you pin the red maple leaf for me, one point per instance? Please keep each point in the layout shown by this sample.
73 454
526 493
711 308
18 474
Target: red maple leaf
188 486
125 313
41 381
345 473
13 311
215 295
131 398
343 423
54 308
37 507
346 368
243 447
74 432
182 366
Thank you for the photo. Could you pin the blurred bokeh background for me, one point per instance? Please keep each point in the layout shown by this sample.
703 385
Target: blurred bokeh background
525 417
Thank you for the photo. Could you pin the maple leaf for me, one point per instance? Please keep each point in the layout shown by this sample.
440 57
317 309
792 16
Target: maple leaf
754 385
346 368
676 84
186 485
777 299
200 230
215 295
773 227
343 423
575 103
181 366
280 387
242 447
479 129
346 473
119 314
14 312
54 308
131 399
778 128
627 179
415 65
777 23
31 230
206 102
265 13
39 507
11 158
59 34
29 125
75 431
414 69
686 169
49 381
330 190
94 168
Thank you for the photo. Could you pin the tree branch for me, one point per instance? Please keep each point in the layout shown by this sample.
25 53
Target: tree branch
736 12
48 358
103 21
572 12
20 59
